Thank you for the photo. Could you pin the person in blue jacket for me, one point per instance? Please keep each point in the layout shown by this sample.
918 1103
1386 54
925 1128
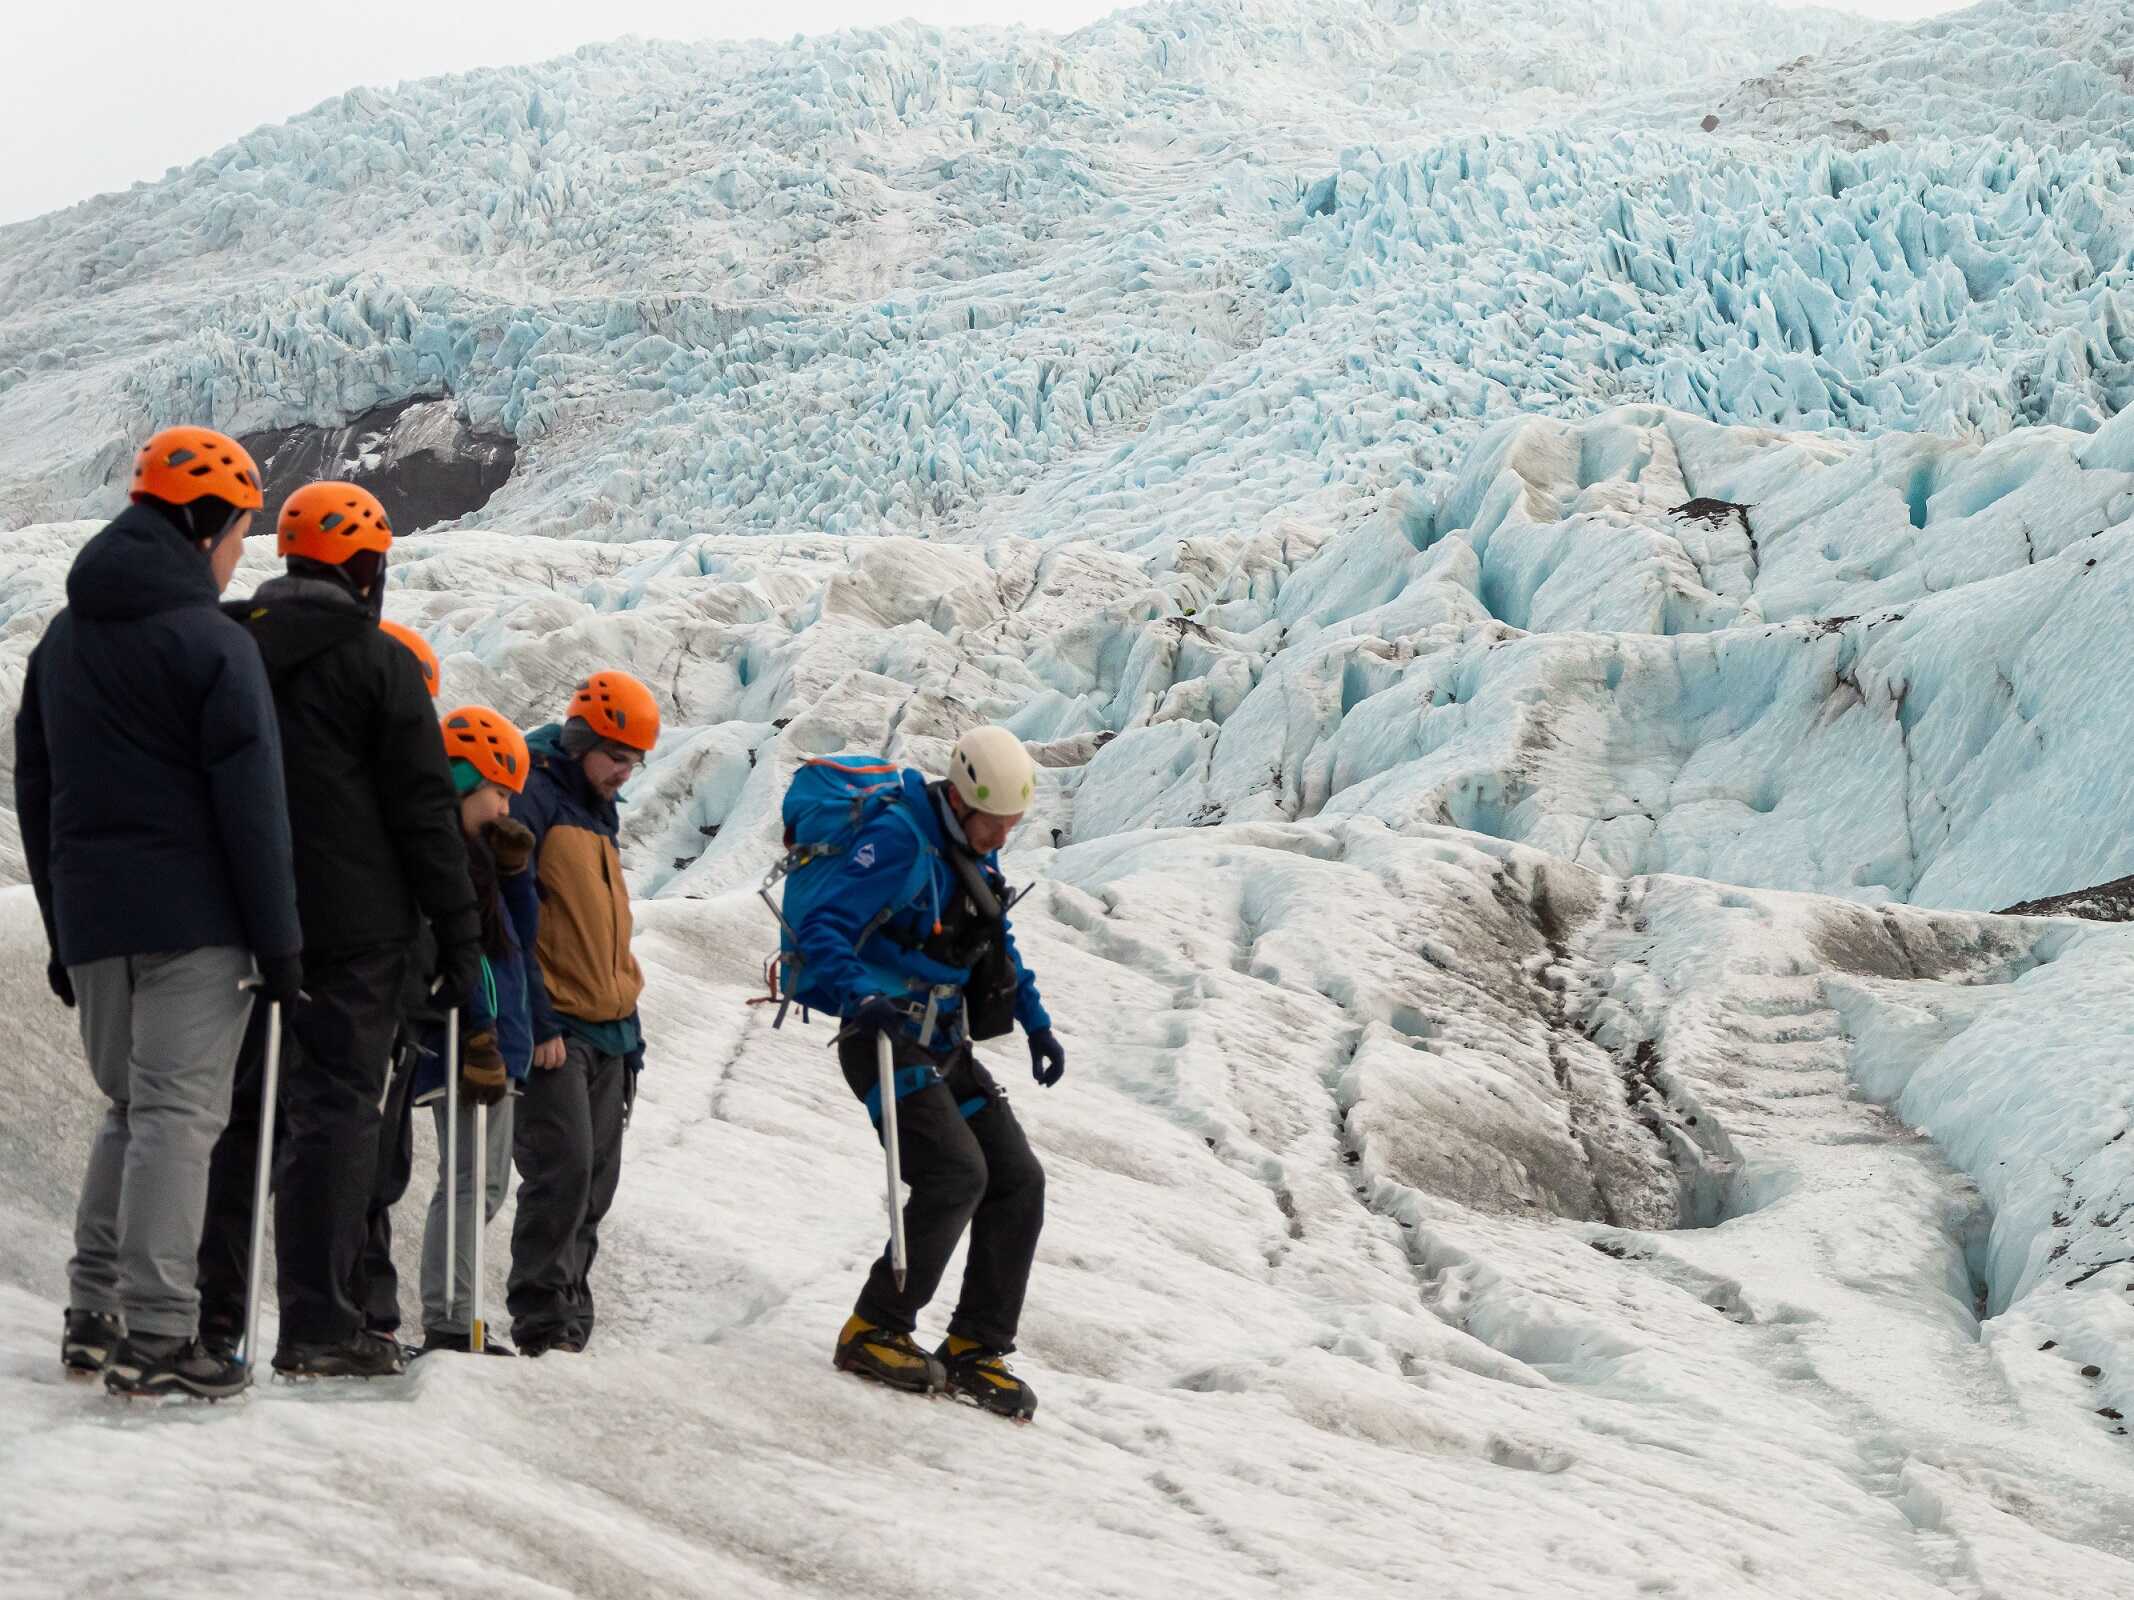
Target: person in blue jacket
927 958
489 762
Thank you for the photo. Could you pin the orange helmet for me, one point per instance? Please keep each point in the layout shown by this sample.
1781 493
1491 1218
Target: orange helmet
419 647
181 465
616 706
489 744
331 521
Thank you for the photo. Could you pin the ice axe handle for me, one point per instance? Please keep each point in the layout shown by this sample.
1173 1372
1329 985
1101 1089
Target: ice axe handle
262 1180
477 1325
886 1064
451 1161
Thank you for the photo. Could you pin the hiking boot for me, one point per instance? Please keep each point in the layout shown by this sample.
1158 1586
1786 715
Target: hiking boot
366 1355
86 1341
221 1342
563 1342
886 1357
441 1339
408 1352
146 1366
981 1376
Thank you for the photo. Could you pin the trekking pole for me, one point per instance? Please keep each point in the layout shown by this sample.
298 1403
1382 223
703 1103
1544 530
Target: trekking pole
269 1092
451 1161
885 1061
477 1334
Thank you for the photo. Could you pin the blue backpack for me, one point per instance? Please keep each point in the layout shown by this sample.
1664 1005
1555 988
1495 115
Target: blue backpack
829 803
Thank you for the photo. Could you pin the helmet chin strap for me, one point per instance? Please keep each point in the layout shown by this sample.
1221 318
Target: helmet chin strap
951 818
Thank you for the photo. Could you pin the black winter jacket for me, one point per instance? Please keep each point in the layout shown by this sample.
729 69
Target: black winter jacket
371 804
148 770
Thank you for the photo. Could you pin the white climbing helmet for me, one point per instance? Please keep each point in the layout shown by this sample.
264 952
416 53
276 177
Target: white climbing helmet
993 772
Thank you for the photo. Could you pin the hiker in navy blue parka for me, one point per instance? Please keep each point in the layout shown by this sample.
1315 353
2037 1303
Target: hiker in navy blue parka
910 938
148 780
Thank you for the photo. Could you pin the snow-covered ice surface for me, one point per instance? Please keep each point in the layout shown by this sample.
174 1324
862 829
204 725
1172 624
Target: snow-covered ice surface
1361 1274
1545 632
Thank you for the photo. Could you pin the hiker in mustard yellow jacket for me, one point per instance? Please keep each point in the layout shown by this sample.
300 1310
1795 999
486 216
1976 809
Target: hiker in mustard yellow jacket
588 1048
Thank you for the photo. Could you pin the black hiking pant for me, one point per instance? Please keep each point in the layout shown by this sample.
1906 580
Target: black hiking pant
226 1227
567 1144
335 1044
977 1172
377 1286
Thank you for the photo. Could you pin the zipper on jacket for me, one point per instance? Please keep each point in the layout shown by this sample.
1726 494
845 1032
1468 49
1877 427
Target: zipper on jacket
616 948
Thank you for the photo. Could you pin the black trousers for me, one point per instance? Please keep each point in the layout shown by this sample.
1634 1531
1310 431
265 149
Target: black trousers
335 1043
567 1145
226 1233
977 1172
377 1286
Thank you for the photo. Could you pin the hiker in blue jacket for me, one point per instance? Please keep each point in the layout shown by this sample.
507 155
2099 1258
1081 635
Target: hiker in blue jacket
910 938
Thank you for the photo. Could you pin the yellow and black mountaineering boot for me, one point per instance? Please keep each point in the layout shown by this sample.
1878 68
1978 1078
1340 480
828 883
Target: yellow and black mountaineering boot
887 1357
982 1377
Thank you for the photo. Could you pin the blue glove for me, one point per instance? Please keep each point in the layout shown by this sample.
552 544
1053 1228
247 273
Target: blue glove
875 1014
1048 1062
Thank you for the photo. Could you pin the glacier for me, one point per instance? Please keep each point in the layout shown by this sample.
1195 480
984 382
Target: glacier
1549 634
2032 70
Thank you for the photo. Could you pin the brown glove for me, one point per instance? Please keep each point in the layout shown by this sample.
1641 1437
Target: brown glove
482 1078
512 844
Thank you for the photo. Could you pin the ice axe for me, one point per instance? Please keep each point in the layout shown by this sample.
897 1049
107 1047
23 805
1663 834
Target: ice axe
885 1063
477 1329
452 1162
269 1093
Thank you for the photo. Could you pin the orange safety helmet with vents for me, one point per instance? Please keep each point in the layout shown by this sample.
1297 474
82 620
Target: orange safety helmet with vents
181 465
419 648
616 706
486 742
330 522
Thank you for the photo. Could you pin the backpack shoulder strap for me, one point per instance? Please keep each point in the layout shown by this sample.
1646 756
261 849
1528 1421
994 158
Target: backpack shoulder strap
920 871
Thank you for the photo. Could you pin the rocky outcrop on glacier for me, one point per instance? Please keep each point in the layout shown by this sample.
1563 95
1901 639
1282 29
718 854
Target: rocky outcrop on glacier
423 463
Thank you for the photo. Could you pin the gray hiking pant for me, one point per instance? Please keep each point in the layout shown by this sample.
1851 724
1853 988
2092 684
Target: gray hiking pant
161 1033
569 1154
435 1315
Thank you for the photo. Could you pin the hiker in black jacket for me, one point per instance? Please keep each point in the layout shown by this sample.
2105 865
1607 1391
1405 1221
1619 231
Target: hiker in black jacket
376 1289
148 781
375 823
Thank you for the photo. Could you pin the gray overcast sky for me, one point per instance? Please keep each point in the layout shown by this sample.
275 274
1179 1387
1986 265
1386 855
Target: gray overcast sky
105 93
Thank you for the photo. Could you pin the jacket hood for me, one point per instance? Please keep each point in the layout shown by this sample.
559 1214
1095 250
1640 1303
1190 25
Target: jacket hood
295 619
545 745
140 565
